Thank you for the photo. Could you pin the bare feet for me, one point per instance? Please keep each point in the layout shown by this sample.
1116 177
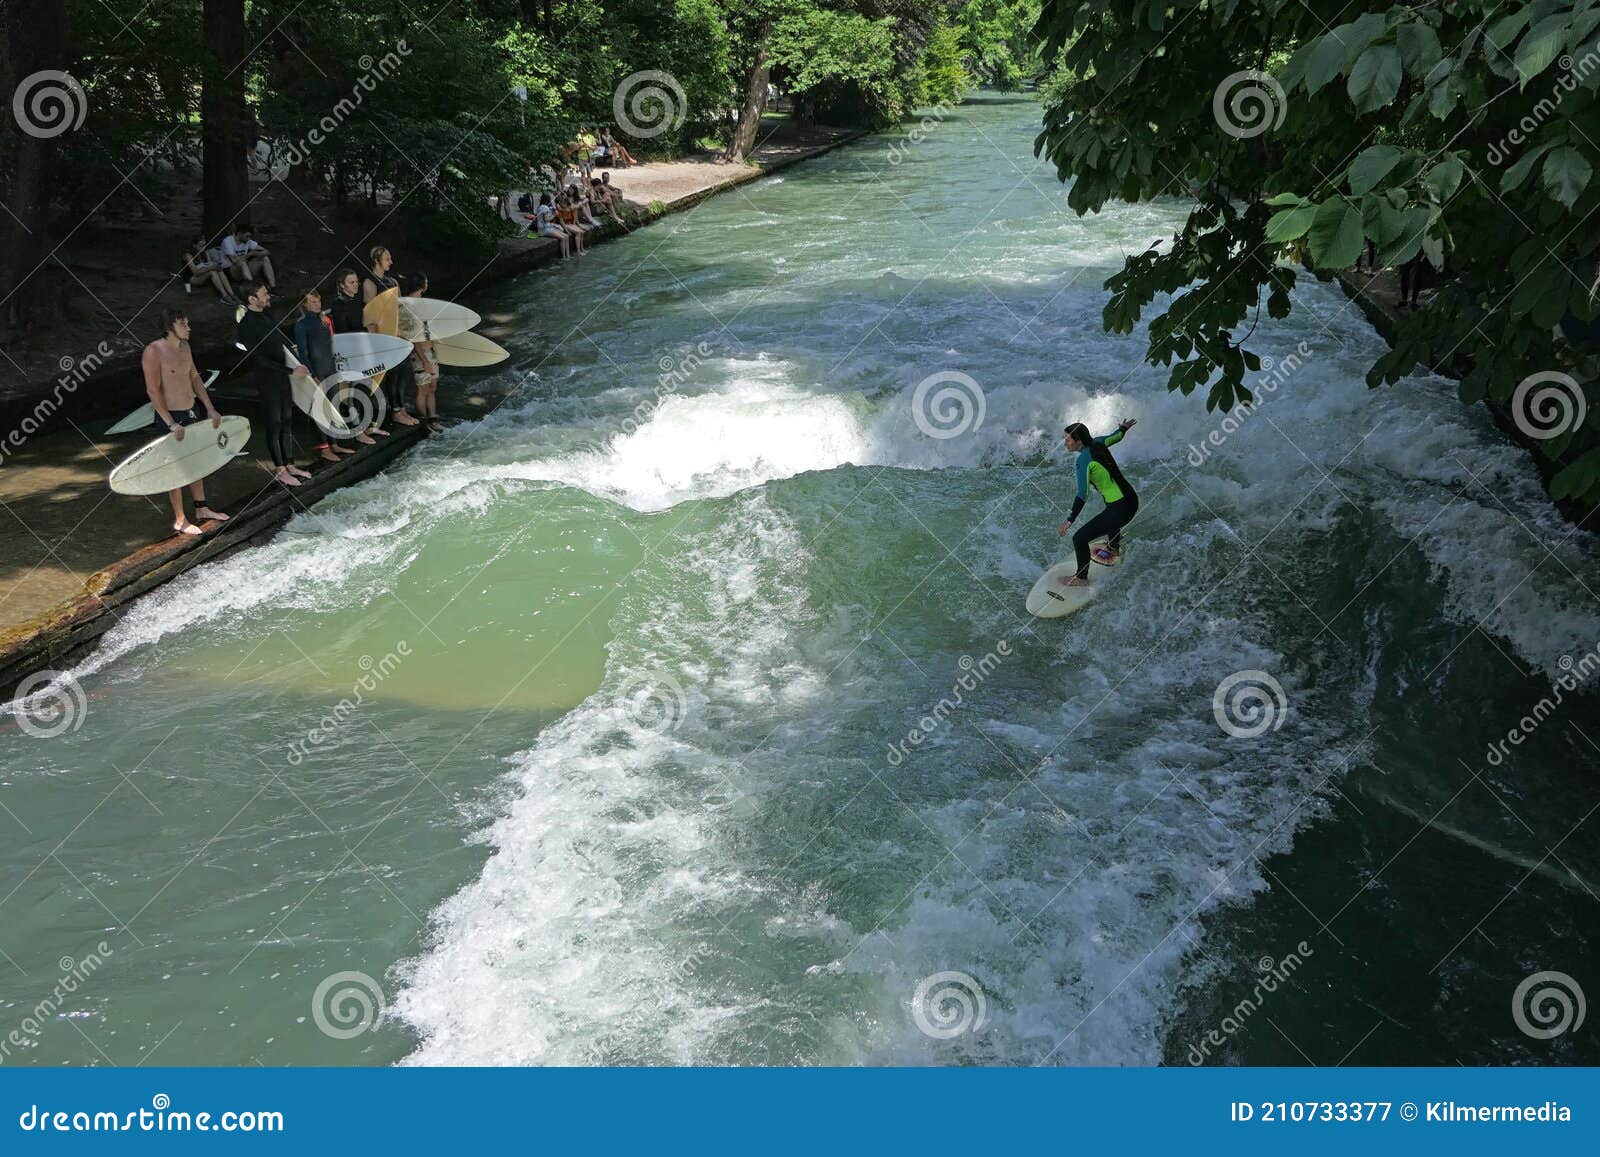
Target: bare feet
298 473
285 477
366 440
184 526
404 419
379 433
1073 580
206 514
328 455
338 449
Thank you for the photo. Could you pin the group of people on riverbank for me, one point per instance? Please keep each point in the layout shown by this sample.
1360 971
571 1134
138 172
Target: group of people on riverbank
237 260
273 360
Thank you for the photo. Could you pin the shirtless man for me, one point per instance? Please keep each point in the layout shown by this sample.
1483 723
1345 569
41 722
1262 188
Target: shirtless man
173 385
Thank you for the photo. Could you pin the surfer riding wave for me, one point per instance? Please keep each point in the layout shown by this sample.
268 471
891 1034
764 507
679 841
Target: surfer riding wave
1096 467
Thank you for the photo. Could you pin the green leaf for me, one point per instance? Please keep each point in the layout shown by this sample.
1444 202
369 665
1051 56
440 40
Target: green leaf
1541 46
1505 30
1375 80
1444 179
1408 242
1566 174
1518 172
1579 479
1278 199
1372 166
1324 61
1380 220
1419 47
1336 237
1290 224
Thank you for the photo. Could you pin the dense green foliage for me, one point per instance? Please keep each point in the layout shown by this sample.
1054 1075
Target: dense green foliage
374 102
1465 132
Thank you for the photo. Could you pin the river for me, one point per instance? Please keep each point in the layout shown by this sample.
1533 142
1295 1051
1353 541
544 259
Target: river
685 709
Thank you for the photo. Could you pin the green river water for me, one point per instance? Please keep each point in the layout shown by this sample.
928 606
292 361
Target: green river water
624 668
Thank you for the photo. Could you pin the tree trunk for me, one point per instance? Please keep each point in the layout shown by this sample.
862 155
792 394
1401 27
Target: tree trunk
33 35
225 187
755 99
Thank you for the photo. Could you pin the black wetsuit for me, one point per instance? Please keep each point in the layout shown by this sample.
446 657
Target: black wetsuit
260 336
347 315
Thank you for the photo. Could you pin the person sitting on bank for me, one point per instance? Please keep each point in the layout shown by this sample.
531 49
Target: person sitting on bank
620 156
259 337
605 197
546 224
250 260
174 386
567 214
204 265
313 340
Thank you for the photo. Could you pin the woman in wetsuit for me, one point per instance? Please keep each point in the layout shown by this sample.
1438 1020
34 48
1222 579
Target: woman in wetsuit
1096 467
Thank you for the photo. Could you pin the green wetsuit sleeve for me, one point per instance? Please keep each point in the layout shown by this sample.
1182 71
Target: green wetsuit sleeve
1110 439
1081 468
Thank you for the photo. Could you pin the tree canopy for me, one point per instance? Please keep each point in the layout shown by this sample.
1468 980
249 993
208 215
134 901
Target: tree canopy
1464 133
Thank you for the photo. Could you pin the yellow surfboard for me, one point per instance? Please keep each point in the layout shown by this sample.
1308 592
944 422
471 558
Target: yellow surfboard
383 311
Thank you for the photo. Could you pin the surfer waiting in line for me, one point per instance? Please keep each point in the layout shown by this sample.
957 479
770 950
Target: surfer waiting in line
260 339
1096 467
174 386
